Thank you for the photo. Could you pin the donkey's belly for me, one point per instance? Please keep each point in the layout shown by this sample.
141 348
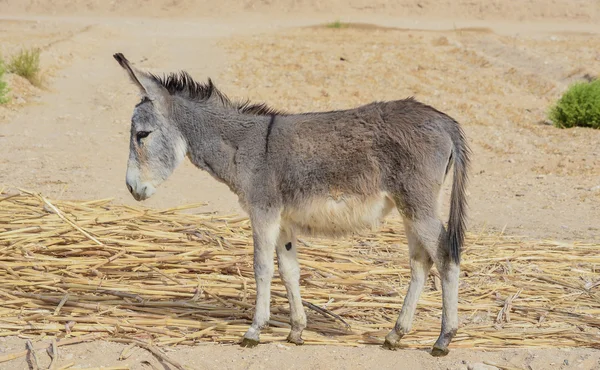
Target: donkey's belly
333 217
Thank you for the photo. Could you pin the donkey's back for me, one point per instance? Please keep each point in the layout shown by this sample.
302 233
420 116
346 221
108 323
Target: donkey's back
342 171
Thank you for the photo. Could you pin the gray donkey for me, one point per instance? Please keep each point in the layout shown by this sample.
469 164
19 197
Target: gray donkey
319 174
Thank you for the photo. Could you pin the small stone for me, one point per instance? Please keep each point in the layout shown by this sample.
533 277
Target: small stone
442 41
566 362
282 346
480 366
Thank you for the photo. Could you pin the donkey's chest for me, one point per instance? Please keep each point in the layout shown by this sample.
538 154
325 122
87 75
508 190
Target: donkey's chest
338 214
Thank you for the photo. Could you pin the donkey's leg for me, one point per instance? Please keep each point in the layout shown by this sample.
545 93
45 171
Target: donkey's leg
432 234
265 230
449 272
289 271
420 264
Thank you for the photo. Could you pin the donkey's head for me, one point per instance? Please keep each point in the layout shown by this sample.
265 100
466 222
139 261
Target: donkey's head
156 145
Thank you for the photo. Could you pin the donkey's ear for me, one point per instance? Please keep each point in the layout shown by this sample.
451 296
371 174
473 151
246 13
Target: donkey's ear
148 86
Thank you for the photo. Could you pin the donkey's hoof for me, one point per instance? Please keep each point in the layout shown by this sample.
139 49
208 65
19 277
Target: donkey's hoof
249 343
295 338
389 345
392 341
439 351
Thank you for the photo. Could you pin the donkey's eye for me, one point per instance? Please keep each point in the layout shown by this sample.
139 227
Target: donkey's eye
141 134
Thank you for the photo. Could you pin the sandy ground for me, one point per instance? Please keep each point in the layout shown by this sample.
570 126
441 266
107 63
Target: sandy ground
494 65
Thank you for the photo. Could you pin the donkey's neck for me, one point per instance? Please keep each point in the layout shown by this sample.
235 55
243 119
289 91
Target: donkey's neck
215 134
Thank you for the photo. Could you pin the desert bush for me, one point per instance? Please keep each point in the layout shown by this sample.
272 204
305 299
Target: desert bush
3 86
337 24
579 106
26 64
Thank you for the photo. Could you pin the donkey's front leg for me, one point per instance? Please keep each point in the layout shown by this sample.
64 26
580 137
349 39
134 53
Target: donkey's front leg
265 229
289 270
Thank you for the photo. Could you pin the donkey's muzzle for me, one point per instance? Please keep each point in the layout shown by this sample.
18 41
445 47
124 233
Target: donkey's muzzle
139 191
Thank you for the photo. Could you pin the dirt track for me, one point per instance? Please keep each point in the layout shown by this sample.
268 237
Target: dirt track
497 77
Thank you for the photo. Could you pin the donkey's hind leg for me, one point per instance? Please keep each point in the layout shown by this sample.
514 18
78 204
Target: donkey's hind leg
420 264
289 272
449 272
432 234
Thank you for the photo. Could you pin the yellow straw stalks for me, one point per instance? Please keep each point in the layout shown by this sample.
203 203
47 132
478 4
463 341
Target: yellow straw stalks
162 277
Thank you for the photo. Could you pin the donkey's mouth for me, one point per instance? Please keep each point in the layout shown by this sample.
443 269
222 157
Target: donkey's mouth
142 193
139 197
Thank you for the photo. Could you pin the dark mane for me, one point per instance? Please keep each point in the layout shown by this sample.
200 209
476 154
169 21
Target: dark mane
258 109
183 84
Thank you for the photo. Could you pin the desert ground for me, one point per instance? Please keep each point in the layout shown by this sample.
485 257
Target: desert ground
496 66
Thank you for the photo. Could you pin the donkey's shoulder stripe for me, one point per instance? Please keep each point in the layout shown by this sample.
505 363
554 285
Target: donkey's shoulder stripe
271 122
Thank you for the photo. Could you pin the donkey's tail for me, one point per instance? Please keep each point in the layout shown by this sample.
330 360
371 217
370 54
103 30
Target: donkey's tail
458 199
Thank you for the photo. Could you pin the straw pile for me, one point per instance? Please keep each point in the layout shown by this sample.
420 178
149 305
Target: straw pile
167 277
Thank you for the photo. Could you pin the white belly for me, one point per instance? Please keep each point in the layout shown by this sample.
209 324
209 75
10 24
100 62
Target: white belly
339 216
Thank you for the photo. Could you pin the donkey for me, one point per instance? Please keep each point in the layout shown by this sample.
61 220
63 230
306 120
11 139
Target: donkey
318 174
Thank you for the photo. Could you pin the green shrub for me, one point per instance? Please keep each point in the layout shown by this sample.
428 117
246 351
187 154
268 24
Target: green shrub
3 86
27 65
579 106
337 24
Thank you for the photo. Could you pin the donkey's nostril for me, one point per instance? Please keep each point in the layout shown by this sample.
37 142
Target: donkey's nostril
129 188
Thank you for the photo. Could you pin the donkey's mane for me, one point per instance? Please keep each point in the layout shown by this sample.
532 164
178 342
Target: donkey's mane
184 85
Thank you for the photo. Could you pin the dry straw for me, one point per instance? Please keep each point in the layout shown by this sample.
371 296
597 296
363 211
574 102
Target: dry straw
158 278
